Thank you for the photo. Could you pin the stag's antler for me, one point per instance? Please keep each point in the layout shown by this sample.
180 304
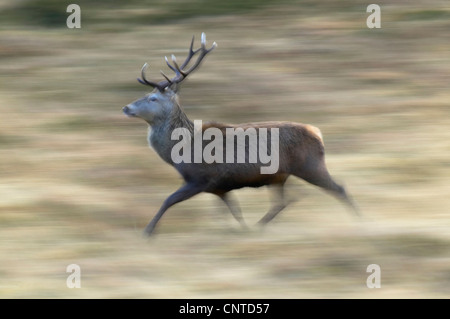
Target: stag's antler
180 73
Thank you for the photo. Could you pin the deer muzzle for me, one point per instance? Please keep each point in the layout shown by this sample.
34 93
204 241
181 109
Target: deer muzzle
127 111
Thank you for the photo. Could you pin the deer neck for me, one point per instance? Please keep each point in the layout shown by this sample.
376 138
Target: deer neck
160 132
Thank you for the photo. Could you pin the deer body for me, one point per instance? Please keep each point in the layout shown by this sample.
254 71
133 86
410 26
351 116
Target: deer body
300 149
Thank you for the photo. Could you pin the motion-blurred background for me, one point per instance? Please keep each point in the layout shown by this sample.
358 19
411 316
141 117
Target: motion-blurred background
78 182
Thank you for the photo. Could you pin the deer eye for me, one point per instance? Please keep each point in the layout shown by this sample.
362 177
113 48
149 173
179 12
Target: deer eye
153 98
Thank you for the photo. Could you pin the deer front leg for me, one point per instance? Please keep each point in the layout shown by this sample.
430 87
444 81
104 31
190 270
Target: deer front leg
183 193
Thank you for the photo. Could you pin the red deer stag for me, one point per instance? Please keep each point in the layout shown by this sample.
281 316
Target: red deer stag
296 149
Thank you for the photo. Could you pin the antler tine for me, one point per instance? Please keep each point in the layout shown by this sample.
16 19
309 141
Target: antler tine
203 40
191 54
166 77
169 65
180 73
203 53
179 70
144 79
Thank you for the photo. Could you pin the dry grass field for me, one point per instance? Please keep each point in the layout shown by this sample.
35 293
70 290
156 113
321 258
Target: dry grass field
78 182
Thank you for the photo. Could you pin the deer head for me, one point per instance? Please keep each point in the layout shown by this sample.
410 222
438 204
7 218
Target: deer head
159 104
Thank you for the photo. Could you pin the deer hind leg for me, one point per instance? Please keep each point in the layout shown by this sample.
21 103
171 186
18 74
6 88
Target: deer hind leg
233 206
278 205
317 174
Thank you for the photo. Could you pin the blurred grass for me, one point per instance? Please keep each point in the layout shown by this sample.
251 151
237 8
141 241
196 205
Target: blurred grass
52 13
78 182
428 14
